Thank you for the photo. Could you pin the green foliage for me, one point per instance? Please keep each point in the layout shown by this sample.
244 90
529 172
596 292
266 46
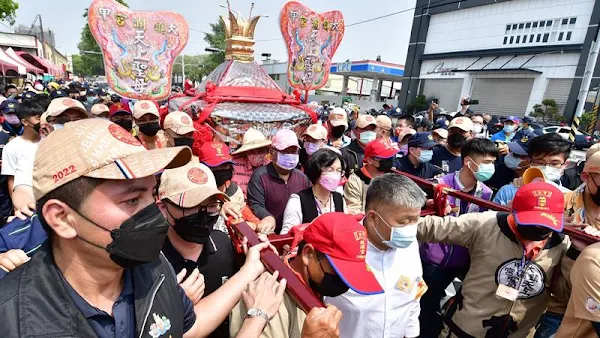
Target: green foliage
216 39
586 120
548 111
89 64
195 68
8 9
417 105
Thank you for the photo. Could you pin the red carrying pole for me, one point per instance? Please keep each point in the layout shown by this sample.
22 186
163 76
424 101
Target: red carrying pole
306 97
305 298
572 231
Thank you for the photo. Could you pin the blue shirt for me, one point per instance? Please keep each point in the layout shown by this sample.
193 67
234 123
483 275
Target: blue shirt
122 323
500 136
505 194
27 235
444 159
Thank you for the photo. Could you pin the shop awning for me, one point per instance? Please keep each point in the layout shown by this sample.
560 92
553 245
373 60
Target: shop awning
46 65
28 66
7 59
488 70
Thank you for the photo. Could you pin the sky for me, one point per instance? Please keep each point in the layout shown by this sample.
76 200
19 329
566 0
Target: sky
387 37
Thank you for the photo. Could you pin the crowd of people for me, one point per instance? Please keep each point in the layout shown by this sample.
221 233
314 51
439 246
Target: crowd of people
115 223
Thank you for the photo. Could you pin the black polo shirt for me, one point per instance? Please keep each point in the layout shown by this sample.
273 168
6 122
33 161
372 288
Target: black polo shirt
423 170
216 262
446 160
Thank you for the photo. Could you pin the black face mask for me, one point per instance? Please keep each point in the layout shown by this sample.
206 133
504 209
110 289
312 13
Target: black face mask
331 285
184 141
338 131
195 228
385 165
125 124
150 129
533 233
595 197
456 141
37 127
222 176
138 240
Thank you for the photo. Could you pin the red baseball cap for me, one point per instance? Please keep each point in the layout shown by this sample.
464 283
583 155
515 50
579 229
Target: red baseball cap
344 241
213 154
539 204
118 108
380 148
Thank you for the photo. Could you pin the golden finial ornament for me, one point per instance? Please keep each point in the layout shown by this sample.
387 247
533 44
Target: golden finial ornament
239 35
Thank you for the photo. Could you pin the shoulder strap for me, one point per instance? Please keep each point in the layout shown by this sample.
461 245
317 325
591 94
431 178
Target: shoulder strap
308 204
338 200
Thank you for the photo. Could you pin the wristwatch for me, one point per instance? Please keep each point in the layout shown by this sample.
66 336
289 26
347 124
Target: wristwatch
254 312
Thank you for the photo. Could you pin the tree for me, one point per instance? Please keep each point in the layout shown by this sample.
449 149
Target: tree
8 9
194 66
90 63
550 109
216 39
417 105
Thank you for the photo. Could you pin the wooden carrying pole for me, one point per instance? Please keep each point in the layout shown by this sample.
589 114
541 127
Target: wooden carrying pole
572 231
295 287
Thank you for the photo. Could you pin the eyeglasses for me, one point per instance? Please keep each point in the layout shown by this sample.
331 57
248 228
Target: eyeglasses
331 170
213 209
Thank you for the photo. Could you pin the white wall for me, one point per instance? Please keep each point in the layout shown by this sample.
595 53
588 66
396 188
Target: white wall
484 27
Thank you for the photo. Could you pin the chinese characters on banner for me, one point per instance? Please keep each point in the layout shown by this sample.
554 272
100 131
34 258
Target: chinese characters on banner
139 48
311 39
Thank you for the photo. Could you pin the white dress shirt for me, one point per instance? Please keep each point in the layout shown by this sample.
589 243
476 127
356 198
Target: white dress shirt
394 313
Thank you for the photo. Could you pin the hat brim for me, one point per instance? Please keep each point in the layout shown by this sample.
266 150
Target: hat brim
196 196
356 276
60 111
315 136
427 145
460 127
391 152
517 148
182 130
216 161
143 164
337 123
552 220
252 146
366 124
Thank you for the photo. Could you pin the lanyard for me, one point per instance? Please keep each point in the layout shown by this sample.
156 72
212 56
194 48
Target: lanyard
319 211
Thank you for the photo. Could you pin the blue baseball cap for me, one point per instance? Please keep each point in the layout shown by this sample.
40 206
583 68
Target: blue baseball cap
421 140
9 106
527 119
513 119
521 146
396 112
29 95
441 122
58 93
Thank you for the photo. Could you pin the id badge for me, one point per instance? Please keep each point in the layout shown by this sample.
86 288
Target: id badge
507 292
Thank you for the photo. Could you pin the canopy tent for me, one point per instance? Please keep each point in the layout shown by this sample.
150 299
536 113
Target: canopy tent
28 66
8 69
21 70
42 63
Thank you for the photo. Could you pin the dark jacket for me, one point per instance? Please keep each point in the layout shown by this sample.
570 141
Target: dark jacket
353 155
268 193
309 206
34 302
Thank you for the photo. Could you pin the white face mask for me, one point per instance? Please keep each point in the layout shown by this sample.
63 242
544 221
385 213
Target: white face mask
477 128
551 173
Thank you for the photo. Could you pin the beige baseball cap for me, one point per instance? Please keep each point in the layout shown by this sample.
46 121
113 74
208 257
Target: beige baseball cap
100 149
383 122
463 123
144 107
338 117
365 120
316 131
99 109
178 122
190 185
61 104
253 139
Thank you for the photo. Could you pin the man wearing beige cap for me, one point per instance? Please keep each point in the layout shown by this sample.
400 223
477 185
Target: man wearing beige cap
64 110
384 128
101 268
100 110
364 133
313 139
179 129
146 116
448 157
251 155
336 126
191 203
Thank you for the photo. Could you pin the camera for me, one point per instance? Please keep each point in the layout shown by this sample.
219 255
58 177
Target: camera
469 102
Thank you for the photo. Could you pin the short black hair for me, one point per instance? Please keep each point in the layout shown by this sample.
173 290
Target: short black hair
72 193
548 145
479 147
321 159
410 120
29 108
43 100
478 115
9 86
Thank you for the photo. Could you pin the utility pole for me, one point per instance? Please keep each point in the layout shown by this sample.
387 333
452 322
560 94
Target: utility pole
42 36
585 84
182 69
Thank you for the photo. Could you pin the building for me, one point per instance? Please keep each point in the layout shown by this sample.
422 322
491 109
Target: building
48 36
509 55
44 56
365 81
